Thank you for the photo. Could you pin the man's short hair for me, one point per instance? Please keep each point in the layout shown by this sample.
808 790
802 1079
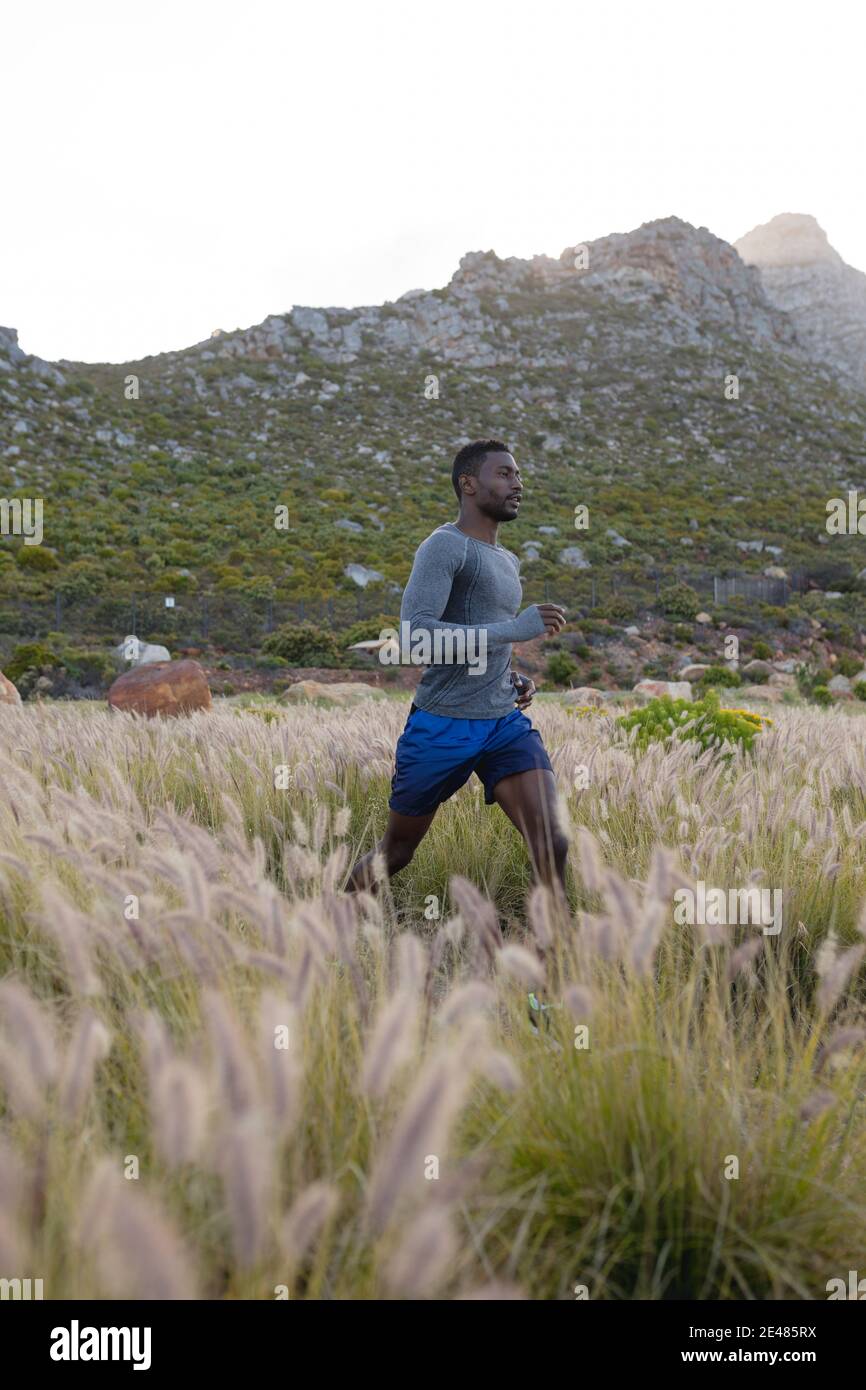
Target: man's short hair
472 456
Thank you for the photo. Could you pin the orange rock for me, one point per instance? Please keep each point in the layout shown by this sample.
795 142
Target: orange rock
161 687
9 694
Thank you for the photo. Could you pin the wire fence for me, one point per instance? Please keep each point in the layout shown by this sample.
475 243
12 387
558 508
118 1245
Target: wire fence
225 620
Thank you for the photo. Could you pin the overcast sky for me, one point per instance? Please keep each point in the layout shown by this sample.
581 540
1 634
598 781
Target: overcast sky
172 168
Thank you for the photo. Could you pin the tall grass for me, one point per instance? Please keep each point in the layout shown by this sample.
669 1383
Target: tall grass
222 1076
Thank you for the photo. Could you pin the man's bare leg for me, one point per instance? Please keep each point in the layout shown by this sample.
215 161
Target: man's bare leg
529 800
402 837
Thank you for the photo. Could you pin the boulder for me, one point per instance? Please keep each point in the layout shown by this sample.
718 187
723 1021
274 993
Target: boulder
574 557
338 693
703 618
653 690
757 667
138 653
771 693
8 692
783 680
692 672
161 687
584 695
840 687
361 575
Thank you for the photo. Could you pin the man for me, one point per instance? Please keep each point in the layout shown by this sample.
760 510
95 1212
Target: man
464 587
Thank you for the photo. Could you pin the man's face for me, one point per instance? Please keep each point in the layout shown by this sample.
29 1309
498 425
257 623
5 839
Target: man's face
498 488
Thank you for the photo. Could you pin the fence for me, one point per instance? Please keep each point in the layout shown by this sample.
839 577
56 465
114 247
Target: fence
230 621
776 591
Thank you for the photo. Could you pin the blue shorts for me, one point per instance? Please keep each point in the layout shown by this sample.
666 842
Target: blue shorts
437 755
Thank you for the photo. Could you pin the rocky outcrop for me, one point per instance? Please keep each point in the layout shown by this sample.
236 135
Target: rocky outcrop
769 693
803 275
338 693
699 273
140 653
584 695
840 687
13 358
687 278
757 667
161 688
652 690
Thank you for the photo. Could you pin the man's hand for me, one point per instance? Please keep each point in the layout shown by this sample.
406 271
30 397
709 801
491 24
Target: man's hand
524 688
554 618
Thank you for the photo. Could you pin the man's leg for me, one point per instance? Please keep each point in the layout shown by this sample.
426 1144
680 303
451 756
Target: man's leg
402 837
529 800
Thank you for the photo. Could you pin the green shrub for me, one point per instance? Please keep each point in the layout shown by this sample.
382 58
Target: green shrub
36 557
809 678
821 695
573 642
679 601
560 668
617 609
779 617
683 632
268 662
303 644
703 720
90 667
719 675
849 665
367 629
762 651
31 654
656 670
860 690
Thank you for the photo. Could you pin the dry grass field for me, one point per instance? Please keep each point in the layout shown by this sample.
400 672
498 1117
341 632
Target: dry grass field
223 1077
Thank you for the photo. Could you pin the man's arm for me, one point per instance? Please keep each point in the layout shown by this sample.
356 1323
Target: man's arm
425 598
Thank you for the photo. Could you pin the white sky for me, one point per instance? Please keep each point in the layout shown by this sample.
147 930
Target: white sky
171 168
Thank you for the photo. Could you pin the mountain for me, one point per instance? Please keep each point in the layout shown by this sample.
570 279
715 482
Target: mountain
824 298
609 370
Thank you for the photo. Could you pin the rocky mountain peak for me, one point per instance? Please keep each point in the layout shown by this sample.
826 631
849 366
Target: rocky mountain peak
824 298
791 238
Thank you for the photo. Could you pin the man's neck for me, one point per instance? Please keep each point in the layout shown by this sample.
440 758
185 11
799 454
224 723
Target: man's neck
481 528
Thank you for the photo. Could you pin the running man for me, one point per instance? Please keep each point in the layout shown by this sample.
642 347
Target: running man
463 718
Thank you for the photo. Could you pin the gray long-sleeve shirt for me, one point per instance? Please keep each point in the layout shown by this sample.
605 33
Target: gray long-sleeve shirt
472 590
